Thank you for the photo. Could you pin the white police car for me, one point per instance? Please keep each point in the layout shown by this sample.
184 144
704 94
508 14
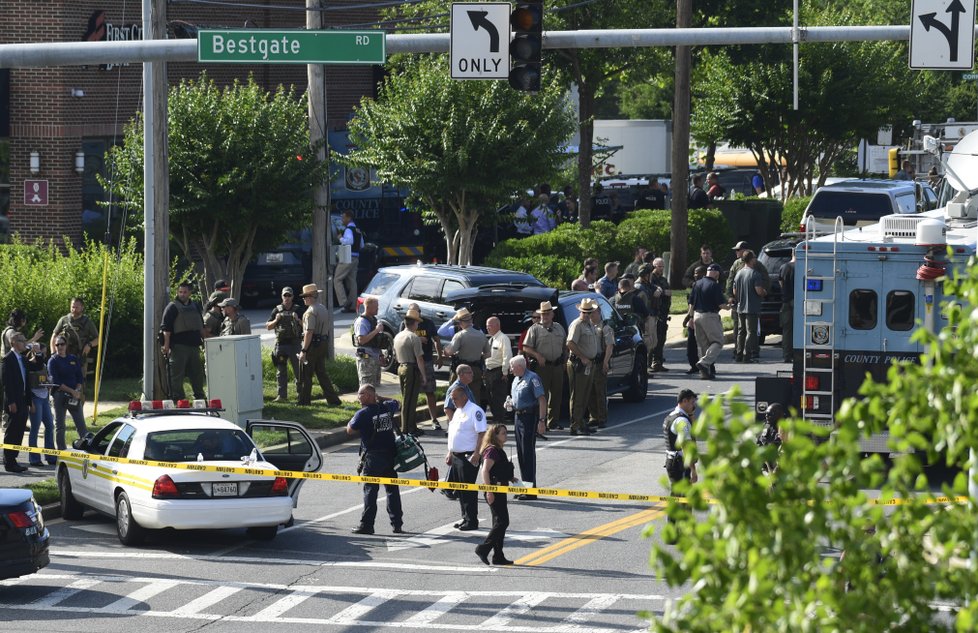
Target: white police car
151 497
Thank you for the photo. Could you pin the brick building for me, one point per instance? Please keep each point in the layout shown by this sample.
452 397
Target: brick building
57 123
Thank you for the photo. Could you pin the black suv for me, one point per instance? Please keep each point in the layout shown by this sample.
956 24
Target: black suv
774 255
628 374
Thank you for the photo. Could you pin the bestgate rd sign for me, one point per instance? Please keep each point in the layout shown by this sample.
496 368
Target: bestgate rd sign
291 47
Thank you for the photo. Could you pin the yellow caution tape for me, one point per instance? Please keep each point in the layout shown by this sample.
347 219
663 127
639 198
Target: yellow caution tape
400 481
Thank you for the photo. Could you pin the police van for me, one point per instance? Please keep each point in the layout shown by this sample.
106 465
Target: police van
861 293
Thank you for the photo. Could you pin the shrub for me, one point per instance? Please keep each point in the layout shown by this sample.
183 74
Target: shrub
791 216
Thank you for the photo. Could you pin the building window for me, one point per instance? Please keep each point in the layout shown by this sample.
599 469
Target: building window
863 309
899 310
97 218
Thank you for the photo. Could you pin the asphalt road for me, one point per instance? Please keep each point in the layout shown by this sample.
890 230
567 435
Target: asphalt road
582 566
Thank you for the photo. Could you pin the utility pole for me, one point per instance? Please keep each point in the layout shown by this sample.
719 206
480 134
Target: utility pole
322 230
156 201
680 149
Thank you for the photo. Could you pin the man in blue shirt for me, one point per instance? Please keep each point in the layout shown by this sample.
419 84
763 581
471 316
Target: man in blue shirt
375 424
465 377
530 415
608 285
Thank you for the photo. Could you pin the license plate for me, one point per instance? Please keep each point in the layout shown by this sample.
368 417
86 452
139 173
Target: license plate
225 489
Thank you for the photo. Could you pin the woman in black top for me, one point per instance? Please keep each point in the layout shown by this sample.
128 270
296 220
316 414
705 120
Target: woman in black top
496 470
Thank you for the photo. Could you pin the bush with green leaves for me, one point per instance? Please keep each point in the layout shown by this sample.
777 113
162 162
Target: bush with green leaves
41 279
555 258
791 216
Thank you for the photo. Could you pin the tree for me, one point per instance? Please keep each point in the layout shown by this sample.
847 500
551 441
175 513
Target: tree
461 147
756 559
241 169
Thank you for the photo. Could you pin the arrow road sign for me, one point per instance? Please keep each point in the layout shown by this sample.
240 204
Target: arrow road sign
942 35
480 40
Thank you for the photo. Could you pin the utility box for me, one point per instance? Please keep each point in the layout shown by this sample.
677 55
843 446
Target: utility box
234 375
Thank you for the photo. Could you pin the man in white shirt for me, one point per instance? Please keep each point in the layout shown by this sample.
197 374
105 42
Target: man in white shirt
345 276
496 376
465 432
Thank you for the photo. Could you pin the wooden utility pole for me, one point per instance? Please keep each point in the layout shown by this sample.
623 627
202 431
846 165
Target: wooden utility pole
322 237
156 201
680 149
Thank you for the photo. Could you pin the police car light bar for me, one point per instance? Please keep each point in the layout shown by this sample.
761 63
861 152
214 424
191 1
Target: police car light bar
145 406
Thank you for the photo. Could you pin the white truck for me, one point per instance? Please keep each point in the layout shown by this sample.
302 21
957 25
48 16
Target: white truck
637 147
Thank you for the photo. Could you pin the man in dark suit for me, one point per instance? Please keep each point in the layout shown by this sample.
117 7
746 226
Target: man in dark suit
16 400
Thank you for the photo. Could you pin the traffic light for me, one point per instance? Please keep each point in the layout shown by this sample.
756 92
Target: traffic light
893 160
524 51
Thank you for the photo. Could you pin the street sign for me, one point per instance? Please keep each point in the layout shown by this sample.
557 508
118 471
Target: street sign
480 40
36 193
942 35
969 76
291 47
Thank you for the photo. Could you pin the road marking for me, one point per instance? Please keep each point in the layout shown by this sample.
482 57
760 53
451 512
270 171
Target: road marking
593 607
206 601
63 593
139 596
588 536
352 613
96 528
280 606
437 536
521 606
444 604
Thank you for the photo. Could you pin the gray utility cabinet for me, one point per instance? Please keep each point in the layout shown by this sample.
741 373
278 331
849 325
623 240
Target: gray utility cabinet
234 375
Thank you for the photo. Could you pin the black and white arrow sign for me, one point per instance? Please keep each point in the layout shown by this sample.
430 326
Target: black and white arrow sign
480 40
942 35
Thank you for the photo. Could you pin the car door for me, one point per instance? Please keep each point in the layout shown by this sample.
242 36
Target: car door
287 446
623 356
424 290
88 485
110 471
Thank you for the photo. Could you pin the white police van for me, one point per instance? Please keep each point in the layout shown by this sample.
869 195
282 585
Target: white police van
861 292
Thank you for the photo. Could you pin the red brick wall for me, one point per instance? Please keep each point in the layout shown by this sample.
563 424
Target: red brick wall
45 117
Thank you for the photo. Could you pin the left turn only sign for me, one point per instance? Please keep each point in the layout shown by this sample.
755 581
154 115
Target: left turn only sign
480 40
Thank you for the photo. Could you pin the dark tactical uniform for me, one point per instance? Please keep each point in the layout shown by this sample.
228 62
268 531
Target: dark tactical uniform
238 325
662 323
468 348
316 320
550 344
184 323
288 344
677 421
377 443
214 317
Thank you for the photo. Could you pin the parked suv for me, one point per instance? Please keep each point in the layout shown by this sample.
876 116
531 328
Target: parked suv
396 287
628 373
774 255
864 201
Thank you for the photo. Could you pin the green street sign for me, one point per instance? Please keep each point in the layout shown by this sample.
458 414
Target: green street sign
969 76
241 46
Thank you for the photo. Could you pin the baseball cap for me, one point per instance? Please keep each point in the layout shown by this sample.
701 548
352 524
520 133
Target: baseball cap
741 245
287 291
714 267
222 284
230 302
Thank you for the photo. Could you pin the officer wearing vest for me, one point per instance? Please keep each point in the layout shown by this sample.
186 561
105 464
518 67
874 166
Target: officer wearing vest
410 357
629 301
312 354
234 322
345 276
677 429
658 280
368 337
286 320
468 346
652 295
183 331
545 343
79 331
213 315
582 343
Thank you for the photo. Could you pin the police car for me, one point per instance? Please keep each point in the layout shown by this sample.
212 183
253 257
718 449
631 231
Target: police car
142 498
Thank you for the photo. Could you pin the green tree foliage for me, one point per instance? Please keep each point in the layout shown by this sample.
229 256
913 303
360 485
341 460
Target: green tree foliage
461 147
759 556
241 171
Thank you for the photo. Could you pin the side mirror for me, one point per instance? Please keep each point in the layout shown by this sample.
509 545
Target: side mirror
83 443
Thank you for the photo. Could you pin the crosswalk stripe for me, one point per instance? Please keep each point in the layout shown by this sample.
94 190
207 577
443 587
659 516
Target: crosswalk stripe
593 607
127 602
282 605
206 601
520 607
63 593
353 612
444 604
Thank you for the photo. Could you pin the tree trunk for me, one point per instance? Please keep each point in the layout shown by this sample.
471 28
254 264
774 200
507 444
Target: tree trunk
711 156
680 149
585 151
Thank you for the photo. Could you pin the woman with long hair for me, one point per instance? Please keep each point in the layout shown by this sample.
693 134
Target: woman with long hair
496 470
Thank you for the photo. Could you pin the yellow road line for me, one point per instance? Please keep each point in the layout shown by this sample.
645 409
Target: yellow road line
588 536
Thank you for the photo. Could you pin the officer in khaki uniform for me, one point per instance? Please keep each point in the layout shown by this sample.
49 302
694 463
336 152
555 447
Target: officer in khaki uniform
468 347
582 343
545 342
234 322
79 331
598 402
410 370
312 357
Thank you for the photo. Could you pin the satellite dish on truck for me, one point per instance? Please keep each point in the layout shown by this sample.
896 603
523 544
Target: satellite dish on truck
962 164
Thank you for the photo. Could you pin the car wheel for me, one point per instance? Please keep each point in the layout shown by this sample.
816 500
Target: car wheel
130 532
71 510
638 381
388 361
263 533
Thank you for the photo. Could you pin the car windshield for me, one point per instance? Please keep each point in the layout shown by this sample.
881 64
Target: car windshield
380 283
850 205
186 444
774 261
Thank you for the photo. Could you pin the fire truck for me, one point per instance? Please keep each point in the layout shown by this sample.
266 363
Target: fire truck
860 293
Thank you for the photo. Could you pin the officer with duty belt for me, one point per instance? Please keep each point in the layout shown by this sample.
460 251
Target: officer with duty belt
286 320
312 355
468 346
410 370
583 343
545 343
597 405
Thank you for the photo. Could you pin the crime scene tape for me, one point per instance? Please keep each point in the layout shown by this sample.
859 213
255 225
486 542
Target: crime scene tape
75 456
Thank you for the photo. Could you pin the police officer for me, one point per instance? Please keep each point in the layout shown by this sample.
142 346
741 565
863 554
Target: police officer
312 355
652 295
234 322
345 276
213 315
368 339
739 249
597 404
706 299
466 430
410 370
628 301
468 346
545 343
79 331
677 429
529 417
183 331
772 434
497 368
286 320
658 280
582 343
375 424
787 278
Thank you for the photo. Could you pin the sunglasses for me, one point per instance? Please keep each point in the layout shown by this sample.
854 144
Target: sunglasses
62 344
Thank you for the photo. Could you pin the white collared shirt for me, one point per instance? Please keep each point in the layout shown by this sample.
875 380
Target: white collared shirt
500 351
464 428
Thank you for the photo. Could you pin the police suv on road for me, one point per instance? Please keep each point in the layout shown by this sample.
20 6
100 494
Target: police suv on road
159 495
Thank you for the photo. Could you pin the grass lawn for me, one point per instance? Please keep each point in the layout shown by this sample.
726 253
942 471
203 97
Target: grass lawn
45 492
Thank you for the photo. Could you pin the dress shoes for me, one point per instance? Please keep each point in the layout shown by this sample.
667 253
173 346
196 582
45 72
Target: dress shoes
501 560
482 551
525 497
398 529
468 527
14 467
659 367
541 436
363 529
691 371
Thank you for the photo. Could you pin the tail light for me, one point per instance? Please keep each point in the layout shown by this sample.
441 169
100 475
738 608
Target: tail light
811 382
20 520
280 486
164 488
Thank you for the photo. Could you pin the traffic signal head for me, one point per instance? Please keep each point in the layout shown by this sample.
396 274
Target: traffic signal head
893 160
526 19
